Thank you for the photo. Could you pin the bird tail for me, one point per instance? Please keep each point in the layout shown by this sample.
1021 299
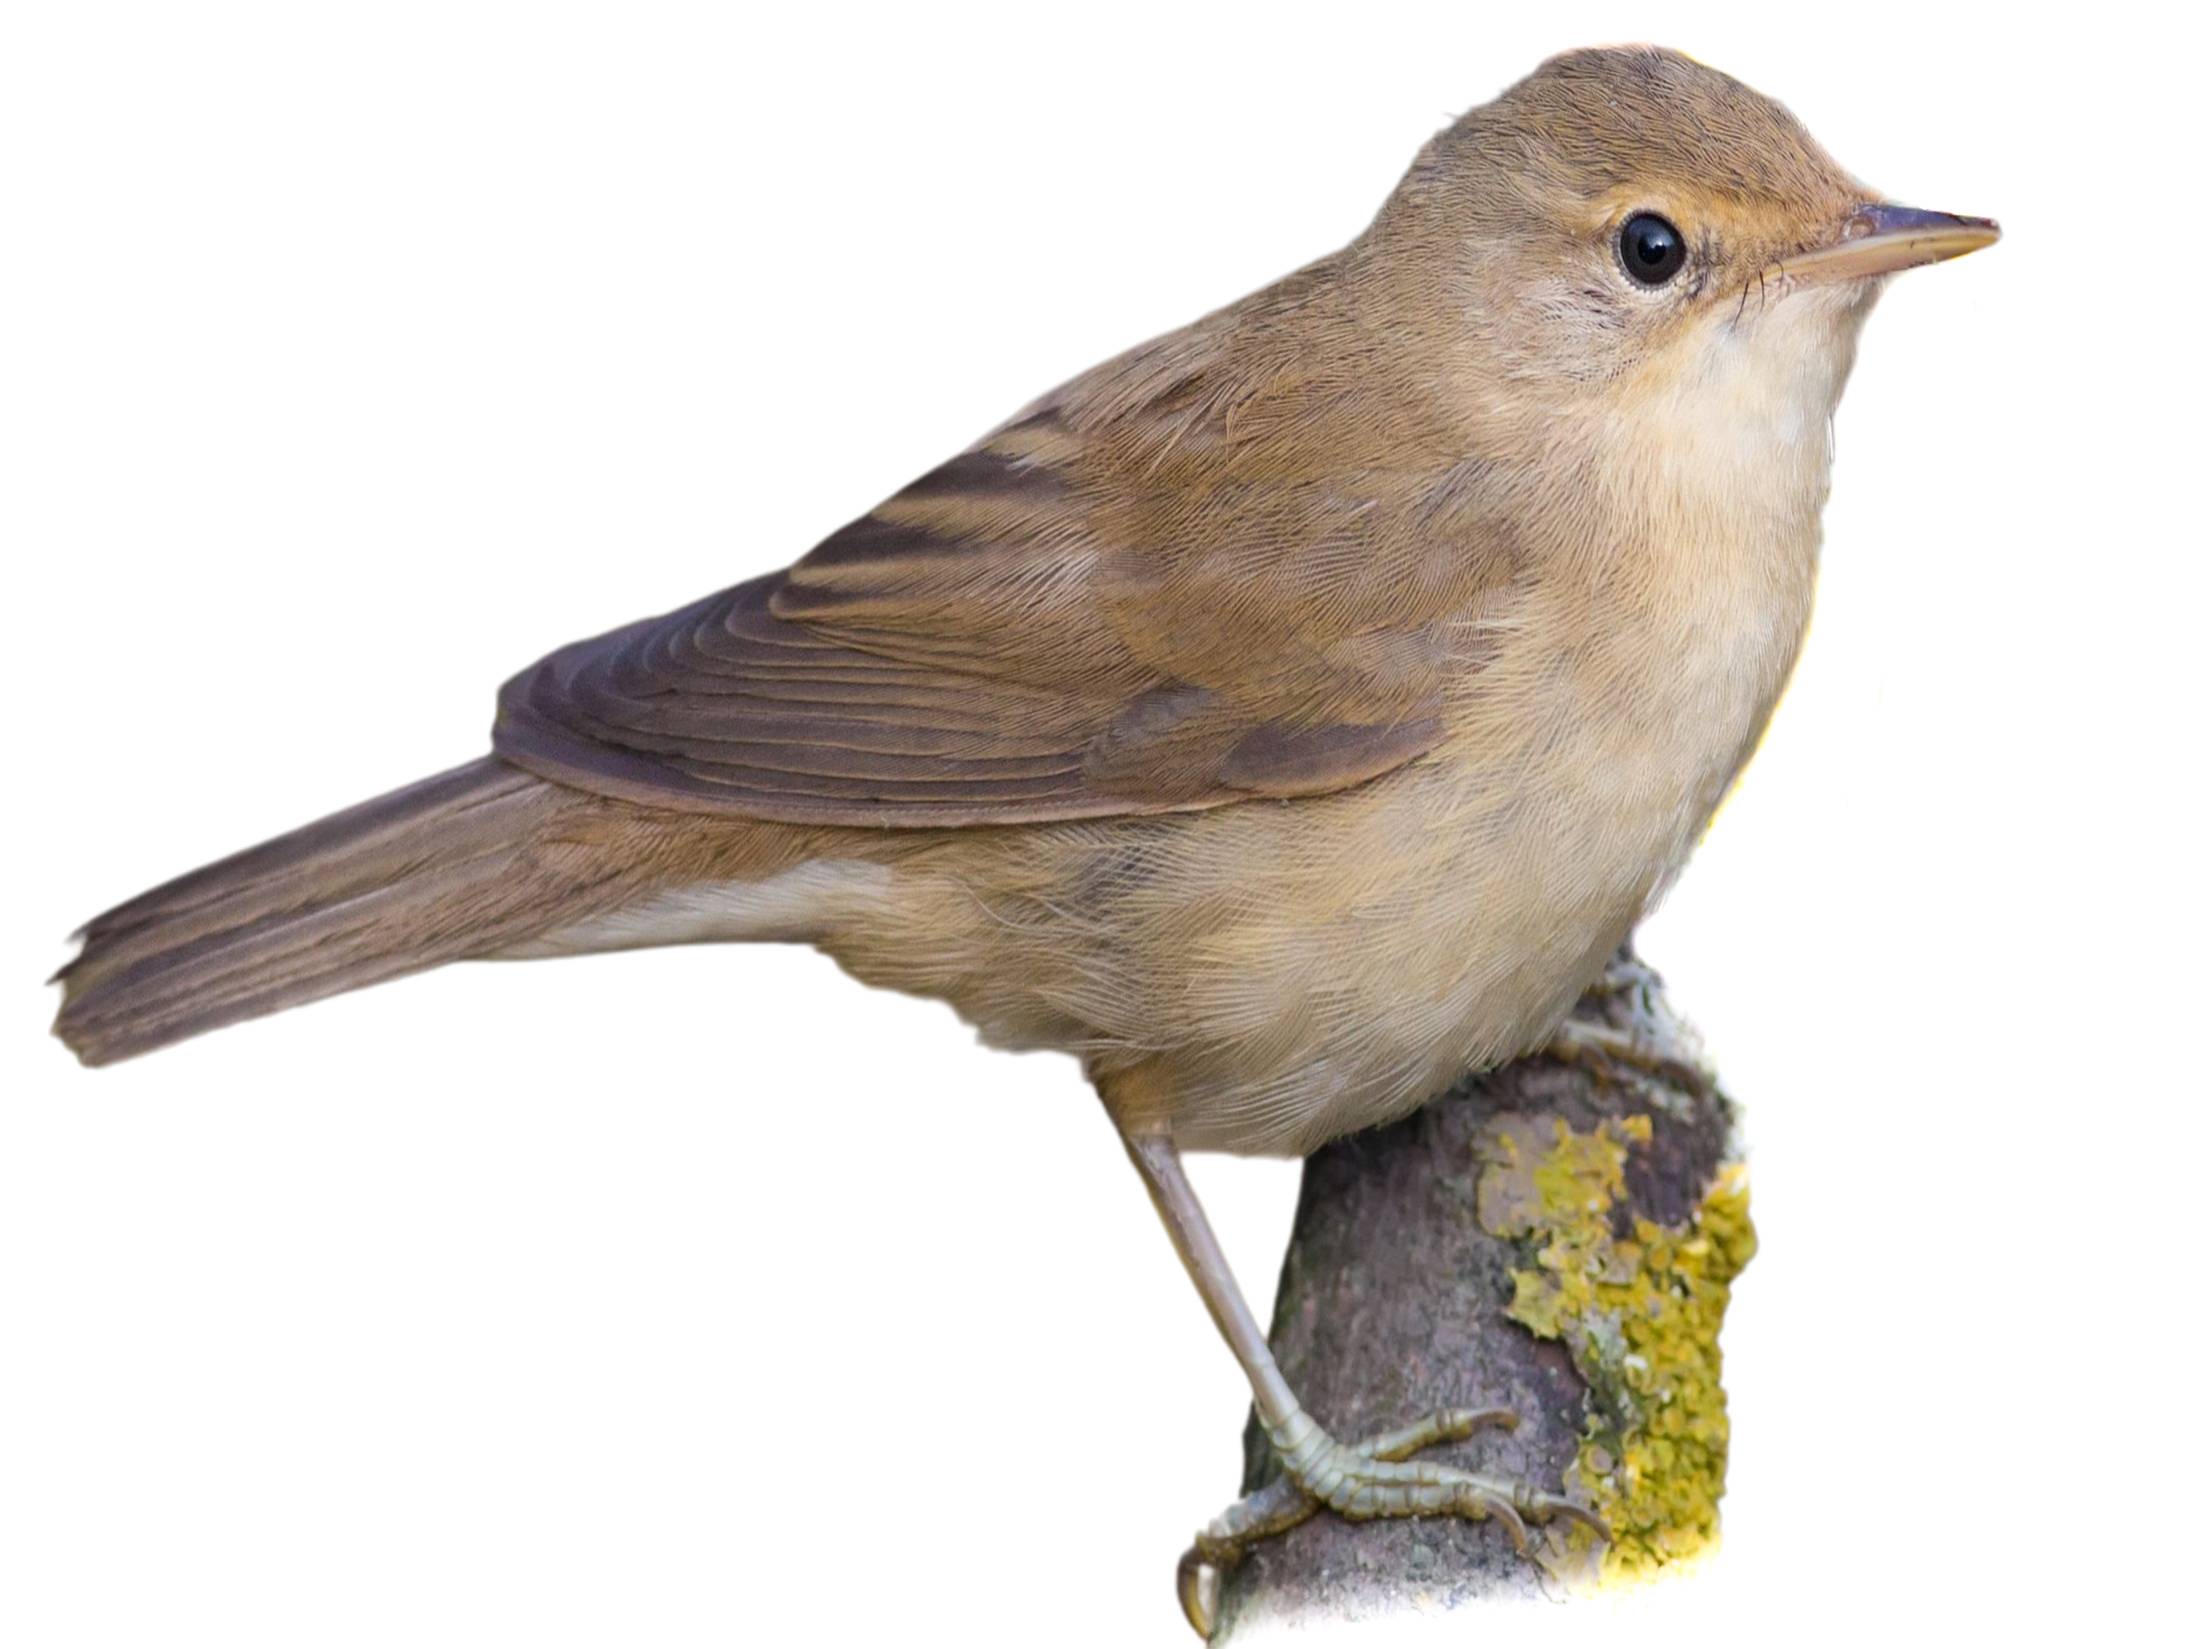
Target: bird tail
458 865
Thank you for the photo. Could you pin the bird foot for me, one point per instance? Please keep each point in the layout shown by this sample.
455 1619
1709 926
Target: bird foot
1603 1052
1377 1478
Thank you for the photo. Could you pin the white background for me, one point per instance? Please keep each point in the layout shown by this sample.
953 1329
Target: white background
354 356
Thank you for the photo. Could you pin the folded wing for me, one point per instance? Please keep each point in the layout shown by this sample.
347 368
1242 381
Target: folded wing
1090 614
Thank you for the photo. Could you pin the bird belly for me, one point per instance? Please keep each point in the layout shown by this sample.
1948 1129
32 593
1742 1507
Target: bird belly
1269 975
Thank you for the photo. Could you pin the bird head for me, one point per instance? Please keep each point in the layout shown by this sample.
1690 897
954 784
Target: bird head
1625 222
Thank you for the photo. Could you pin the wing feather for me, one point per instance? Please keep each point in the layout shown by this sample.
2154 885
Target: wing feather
1177 583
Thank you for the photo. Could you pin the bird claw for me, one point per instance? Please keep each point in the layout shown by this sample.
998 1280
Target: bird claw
1353 1483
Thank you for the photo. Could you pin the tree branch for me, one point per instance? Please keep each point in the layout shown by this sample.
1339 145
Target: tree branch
1558 1237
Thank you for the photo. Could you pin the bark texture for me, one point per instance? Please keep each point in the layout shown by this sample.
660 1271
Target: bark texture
1558 1237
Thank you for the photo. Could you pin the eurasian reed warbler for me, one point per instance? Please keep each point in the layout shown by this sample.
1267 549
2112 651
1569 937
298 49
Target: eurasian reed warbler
1286 717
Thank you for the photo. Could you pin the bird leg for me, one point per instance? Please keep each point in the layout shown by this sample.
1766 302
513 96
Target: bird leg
1375 1478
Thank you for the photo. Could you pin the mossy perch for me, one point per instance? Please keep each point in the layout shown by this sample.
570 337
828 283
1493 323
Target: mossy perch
1559 1236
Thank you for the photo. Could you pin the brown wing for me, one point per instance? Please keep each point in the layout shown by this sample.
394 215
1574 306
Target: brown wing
1099 611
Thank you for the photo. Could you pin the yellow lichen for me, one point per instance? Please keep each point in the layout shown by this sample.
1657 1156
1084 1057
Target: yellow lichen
1640 1315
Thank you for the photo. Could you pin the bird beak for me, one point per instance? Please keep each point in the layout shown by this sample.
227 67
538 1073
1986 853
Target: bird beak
1877 240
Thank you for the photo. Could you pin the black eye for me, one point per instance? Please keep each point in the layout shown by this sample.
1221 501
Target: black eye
1650 248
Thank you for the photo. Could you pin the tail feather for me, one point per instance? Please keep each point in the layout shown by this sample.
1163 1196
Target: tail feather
458 865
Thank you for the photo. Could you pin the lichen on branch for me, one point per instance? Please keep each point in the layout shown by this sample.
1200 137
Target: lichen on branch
1638 1306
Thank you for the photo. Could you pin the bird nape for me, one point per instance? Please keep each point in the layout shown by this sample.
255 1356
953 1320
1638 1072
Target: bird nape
1286 717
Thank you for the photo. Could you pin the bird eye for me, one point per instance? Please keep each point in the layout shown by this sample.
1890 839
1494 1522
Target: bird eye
1650 248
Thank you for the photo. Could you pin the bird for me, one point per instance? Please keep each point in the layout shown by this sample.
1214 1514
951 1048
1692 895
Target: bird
1287 717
